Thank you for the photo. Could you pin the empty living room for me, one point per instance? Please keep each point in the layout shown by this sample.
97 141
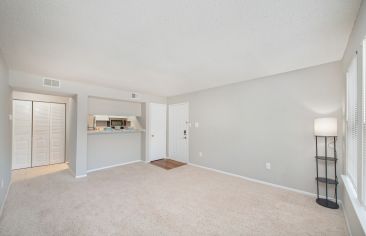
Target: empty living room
182 117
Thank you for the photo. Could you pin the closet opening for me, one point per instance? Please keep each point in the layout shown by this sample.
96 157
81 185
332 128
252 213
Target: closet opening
41 131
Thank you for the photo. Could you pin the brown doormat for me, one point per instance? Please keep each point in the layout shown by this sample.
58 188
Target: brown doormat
167 163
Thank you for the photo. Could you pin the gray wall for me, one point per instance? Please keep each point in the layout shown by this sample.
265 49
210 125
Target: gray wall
143 119
356 37
71 141
105 150
354 42
99 106
5 132
80 92
242 126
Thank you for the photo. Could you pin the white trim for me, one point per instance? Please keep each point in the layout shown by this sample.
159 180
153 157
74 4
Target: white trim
347 223
6 196
262 182
73 173
356 204
80 176
107 167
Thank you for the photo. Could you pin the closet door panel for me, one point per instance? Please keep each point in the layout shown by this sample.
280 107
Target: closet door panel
22 134
57 133
41 134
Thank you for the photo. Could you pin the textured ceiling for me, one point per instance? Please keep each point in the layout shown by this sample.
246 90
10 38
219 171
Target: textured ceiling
169 47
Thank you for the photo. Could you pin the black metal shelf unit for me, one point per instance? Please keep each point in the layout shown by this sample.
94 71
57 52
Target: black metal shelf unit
326 202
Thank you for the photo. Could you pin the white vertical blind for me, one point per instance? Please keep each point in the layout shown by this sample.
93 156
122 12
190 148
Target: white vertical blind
351 116
363 70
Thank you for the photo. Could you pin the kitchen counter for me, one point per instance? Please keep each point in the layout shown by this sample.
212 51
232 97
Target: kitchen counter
121 131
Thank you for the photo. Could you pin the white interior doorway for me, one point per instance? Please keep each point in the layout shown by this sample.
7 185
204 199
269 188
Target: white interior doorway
179 132
157 131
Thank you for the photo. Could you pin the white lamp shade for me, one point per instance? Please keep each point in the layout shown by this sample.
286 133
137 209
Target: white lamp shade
325 127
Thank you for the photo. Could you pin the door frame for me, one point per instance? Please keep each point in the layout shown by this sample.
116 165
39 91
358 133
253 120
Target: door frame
188 127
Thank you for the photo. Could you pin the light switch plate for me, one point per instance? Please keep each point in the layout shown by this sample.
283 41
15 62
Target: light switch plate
10 117
200 154
268 165
196 124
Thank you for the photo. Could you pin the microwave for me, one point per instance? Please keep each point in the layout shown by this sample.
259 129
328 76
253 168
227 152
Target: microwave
117 122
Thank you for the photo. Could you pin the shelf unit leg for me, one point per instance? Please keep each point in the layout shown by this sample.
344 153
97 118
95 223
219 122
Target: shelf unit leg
317 175
326 168
335 170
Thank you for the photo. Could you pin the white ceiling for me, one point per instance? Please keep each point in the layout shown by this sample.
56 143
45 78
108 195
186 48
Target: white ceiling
169 47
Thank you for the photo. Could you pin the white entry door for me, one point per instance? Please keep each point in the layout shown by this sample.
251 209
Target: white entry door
157 131
178 132
41 134
22 134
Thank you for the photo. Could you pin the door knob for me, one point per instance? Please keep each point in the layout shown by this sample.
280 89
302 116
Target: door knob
152 135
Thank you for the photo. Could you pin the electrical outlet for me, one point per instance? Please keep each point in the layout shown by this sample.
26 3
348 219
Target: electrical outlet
196 124
200 154
268 165
2 183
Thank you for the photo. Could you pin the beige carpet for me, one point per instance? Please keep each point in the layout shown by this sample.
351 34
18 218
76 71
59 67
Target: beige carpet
142 199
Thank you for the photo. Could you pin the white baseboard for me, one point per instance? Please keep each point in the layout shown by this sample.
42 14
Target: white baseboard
74 174
107 167
6 196
80 176
262 182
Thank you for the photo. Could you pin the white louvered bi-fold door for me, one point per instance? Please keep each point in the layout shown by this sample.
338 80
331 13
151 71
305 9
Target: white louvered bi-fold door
41 134
57 133
22 134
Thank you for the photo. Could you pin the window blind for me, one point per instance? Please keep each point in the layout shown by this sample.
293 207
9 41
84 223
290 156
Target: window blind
363 74
351 119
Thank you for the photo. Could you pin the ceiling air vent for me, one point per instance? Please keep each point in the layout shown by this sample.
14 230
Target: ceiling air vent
51 83
134 95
